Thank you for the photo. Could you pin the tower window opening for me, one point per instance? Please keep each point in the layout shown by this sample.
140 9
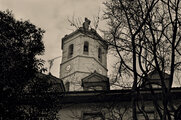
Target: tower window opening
71 51
67 86
100 54
86 48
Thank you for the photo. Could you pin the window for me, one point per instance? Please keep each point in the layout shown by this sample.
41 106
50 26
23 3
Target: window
67 86
86 48
71 51
93 116
100 54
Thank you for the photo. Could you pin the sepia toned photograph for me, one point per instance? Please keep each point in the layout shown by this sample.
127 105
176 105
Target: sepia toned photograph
90 59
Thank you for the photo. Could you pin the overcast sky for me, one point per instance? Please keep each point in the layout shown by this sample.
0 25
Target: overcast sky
52 15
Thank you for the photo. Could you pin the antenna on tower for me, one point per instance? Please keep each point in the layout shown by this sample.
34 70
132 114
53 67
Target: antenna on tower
51 62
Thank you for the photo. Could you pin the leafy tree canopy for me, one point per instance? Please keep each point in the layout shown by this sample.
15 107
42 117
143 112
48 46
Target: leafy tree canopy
20 43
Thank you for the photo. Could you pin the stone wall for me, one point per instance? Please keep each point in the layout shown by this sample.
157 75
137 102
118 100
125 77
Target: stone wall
81 65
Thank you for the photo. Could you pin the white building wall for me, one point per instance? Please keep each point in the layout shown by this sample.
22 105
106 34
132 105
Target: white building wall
81 65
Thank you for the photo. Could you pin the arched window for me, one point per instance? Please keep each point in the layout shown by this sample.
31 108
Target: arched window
100 54
86 48
67 86
71 51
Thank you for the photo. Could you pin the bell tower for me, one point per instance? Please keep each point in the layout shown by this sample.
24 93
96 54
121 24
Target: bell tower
84 51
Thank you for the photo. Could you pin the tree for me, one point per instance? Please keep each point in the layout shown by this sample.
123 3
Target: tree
146 37
20 43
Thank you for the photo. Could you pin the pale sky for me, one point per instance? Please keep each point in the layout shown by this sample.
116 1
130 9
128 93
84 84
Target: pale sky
52 15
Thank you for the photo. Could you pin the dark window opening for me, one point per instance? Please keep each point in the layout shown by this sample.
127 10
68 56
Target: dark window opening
100 54
67 86
71 51
86 48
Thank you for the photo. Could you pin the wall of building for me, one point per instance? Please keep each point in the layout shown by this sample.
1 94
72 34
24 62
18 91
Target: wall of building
78 41
81 65
75 80
77 111
110 111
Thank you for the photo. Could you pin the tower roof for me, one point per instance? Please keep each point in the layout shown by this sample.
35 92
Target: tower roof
89 33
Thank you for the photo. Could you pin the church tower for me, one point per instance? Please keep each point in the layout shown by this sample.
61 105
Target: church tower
84 52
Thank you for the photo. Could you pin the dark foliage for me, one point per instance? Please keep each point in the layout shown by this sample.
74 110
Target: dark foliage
20 43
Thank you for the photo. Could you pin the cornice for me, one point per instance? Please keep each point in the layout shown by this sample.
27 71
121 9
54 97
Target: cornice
84 57
74 73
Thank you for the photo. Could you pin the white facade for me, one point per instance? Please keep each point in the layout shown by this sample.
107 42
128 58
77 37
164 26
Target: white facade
80 64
